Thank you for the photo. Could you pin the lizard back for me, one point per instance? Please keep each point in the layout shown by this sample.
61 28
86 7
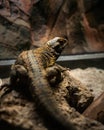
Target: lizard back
36 61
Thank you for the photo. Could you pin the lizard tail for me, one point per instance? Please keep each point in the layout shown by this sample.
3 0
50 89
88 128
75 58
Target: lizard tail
40 89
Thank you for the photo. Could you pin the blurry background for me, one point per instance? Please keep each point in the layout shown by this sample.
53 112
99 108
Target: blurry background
26 24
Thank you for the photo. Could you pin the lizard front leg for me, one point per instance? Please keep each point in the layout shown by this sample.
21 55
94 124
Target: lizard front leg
54 75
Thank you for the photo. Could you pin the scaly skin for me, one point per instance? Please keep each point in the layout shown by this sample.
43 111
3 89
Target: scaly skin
34 63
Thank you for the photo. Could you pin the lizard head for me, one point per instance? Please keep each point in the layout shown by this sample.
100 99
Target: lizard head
57 44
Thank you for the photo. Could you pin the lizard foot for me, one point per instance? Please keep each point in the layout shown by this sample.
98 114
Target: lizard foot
53 75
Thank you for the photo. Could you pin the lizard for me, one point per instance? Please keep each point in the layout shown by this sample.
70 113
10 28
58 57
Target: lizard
34 64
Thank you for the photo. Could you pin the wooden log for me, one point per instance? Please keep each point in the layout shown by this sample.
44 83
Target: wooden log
96 109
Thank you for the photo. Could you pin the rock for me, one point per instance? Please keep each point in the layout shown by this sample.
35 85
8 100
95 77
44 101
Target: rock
14 39
92 77
19 111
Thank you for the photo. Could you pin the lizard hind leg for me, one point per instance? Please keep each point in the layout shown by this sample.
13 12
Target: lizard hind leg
53 75
18 75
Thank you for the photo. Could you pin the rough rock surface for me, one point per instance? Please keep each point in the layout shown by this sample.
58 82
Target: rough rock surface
19 111
81 22
92 77
13 39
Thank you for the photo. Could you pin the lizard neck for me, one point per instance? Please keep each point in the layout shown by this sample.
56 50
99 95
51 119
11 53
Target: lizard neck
47 56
